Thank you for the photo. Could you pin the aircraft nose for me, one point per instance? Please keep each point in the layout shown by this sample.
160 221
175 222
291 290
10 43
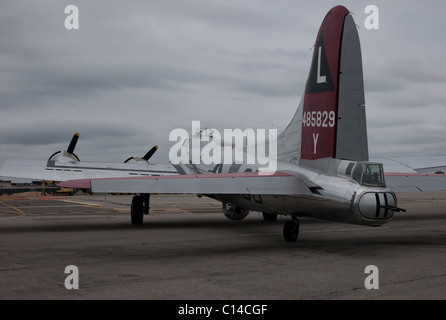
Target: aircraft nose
377 205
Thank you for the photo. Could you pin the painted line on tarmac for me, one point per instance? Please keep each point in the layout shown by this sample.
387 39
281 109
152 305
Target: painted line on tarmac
83 203
17 210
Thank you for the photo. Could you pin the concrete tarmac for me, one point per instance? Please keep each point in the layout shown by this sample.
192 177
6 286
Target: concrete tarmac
187 249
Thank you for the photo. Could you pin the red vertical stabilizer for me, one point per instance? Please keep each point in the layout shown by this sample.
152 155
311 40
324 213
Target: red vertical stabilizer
320 107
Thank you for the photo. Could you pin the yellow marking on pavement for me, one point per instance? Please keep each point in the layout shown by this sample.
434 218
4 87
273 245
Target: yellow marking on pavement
17 210
83 203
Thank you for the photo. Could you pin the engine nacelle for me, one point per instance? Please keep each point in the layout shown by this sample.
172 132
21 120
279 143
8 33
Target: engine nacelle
144 161
67 156
234 213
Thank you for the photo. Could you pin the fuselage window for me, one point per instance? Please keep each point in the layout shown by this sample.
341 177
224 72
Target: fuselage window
357 173
373 175
369 174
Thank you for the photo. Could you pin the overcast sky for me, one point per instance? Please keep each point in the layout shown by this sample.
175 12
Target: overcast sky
135 70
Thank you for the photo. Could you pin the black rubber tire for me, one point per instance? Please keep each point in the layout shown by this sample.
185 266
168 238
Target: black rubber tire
137 210
291 230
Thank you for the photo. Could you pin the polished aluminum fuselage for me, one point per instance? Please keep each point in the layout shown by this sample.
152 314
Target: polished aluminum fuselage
333 195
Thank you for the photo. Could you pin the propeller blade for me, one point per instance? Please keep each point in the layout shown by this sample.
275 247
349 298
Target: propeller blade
128 159
73 143
150 153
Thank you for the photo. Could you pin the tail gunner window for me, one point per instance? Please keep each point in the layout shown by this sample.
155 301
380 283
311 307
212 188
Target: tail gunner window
369 174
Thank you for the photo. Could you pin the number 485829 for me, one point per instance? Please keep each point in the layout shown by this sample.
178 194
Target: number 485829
323 119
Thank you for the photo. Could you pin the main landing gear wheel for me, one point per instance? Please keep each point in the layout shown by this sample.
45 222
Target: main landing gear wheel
137 210
291 230
140 207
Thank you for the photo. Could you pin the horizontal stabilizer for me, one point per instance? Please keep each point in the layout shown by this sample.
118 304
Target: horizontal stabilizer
279 183
414 182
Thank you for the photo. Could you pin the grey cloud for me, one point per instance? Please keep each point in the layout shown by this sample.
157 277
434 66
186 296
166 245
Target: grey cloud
137 69
60 133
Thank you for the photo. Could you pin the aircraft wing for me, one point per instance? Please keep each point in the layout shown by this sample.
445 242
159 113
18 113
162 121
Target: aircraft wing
219 183
242 183
62 166
414 164
61 171
413 174
415 182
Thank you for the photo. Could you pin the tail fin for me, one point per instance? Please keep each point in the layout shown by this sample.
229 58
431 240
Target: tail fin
331 117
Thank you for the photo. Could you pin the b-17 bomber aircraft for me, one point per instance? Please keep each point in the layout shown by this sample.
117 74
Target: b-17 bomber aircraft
322 159
323 168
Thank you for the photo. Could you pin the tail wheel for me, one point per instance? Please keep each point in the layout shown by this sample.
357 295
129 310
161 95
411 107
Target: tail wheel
137 210
291 230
